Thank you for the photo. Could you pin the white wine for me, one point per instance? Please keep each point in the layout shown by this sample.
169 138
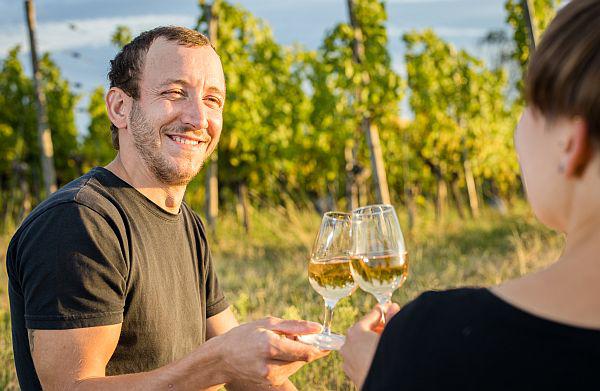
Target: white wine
331 278
381 274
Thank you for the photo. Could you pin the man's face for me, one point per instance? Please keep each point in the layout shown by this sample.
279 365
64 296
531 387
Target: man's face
176 122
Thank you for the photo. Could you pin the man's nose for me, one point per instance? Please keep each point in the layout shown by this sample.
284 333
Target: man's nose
195 114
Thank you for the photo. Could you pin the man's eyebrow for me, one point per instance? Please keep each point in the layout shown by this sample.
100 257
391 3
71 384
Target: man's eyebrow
216 90
173 81
213 89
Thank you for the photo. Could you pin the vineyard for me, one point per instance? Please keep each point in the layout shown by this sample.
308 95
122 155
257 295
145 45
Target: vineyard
320 128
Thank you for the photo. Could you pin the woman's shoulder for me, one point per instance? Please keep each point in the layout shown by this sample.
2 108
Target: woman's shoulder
446 304
477 310
451 296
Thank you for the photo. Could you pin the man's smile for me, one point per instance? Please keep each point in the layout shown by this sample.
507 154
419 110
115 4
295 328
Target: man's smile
189 140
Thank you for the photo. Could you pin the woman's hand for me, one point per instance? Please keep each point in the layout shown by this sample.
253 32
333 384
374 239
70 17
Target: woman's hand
361 343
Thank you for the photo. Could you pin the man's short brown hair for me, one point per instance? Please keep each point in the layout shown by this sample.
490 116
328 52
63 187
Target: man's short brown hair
126 69
564 72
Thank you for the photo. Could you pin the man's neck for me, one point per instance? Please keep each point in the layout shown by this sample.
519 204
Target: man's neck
167 197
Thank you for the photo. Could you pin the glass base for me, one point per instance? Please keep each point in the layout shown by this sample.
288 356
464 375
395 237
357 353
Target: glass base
323 341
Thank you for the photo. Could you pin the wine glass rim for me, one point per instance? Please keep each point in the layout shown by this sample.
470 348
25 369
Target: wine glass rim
336 215
371 209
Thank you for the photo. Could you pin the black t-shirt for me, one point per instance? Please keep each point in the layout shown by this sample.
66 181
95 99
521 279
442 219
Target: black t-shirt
469 339
98 252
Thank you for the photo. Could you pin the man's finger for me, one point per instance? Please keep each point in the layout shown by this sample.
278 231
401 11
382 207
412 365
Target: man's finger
293 327
285 349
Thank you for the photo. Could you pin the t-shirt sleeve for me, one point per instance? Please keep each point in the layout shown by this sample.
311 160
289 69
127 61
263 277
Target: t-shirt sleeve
215 298
72 269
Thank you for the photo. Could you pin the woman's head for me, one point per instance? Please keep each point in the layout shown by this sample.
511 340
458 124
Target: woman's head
559 134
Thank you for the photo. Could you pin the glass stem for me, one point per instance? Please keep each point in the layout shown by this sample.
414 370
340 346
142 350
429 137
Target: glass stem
329 306
383 300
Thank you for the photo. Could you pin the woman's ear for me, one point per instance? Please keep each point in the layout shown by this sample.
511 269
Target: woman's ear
578 149
118 106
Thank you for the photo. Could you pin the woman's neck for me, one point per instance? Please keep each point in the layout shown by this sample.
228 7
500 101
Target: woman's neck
568 291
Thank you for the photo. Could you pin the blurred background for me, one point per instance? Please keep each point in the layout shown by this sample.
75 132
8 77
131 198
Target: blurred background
331 104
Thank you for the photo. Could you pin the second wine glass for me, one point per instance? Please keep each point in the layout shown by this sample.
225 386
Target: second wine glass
379 259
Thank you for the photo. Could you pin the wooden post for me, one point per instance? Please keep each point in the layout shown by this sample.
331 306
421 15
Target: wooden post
244 205
456 197
471 188
382 194
530 23
409 188
411 193
44 134
211 183
442 197
351 188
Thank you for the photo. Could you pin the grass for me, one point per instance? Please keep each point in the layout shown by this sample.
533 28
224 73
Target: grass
8 376
264 273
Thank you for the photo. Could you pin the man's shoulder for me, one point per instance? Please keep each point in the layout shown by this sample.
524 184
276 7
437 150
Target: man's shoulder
88 192
191 214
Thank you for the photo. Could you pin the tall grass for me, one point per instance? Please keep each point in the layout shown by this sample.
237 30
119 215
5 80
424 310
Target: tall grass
264 272
8 376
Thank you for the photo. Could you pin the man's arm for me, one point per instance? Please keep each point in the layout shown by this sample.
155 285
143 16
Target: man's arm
76 359
220 323
254 354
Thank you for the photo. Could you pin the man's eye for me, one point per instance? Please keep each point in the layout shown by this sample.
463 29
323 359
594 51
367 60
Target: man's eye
214 101
174 93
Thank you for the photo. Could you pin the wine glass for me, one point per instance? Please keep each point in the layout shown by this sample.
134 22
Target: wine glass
329 274
379 262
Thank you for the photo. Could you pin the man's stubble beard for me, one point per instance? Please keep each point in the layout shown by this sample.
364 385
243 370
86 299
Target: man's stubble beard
147 142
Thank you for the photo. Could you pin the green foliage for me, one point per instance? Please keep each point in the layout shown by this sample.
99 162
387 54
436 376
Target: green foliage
460 115
266 110
18 123
292 115
543 12
344 91
97 149
17 115
121 37
61 120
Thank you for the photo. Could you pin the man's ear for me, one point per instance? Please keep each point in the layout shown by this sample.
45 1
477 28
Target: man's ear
118 106
578 150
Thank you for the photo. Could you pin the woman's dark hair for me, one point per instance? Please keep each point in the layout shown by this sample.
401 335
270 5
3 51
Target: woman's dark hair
564 72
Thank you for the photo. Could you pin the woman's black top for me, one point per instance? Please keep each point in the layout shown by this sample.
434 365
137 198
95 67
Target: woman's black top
470 339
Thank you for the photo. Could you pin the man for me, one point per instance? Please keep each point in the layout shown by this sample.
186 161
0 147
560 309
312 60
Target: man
111 282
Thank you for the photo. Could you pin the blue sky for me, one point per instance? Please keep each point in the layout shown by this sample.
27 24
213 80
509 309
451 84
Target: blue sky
66 27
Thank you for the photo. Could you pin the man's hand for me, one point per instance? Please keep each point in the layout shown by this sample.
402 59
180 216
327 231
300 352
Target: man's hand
361 343
265 352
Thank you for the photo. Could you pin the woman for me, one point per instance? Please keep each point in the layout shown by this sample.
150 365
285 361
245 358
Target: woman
541 331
